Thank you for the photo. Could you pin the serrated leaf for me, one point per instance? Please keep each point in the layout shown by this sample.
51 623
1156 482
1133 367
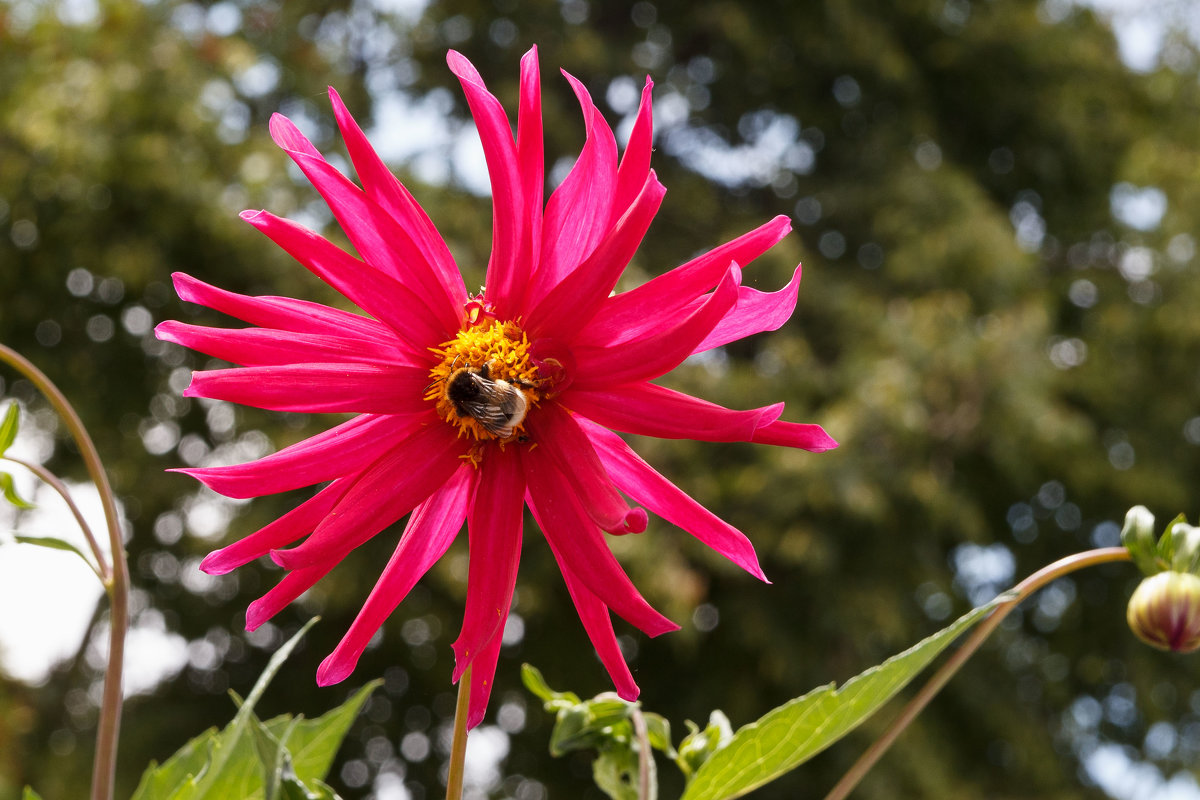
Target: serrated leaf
787 736
8 431
9 490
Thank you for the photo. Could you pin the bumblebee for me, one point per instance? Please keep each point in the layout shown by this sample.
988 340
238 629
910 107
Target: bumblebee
497 405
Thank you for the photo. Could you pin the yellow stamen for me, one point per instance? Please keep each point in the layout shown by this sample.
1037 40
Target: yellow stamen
503 347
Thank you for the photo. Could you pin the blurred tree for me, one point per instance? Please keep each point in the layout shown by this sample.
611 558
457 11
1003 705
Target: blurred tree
996 217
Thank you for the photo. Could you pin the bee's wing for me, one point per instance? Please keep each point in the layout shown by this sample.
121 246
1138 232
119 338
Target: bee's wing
492 416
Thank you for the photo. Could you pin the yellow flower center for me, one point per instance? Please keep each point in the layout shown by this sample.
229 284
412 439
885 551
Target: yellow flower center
486 382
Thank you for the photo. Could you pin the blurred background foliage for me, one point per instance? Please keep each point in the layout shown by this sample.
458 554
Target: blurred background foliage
996 214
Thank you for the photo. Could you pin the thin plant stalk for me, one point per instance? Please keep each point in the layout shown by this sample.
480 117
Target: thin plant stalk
458 744
647 783
116 585
101 568
1024 589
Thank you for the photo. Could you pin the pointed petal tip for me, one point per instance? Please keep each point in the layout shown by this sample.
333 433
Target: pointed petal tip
215 564
474 717
255 616
629 693
334 670
251 214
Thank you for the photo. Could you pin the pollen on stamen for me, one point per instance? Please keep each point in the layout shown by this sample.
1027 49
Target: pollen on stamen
504 349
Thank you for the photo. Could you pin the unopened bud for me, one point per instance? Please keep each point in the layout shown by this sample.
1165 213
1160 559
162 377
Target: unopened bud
1165 611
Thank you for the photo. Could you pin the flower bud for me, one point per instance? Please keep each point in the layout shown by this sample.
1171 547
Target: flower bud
1138 537
1165 611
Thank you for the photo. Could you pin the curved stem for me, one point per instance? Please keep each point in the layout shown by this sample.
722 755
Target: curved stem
105 764
458 745
647 786
102 570
914 707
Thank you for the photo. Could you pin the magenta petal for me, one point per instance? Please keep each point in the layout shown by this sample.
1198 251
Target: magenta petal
640 481
342 450
651 410
598 624
298 522
531 165
429 532
657 354
318 388
380 295
378 237
265 347
494 531
561 438
577 214
386 190
568 307
483 673
631 315
288 589
755 312
635 162
582 546
390 488
509 228
795 434
280 313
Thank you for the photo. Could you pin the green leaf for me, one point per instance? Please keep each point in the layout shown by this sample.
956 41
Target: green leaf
615 771
8 432
53 543
787 736
9 490
313 743
273 755
178 773
221 765
29 793
535 683
658 731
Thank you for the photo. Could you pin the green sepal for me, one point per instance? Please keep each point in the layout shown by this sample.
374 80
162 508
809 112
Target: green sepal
9 490
30 794
8 429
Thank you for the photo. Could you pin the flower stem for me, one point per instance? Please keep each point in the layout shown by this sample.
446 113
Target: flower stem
1021 591
647 775
116 584
458 745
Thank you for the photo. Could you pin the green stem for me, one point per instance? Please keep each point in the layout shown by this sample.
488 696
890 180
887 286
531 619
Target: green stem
458 745
101 568
647 776
1021 591
117 586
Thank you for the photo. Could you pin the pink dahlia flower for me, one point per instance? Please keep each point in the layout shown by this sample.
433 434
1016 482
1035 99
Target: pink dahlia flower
471 407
